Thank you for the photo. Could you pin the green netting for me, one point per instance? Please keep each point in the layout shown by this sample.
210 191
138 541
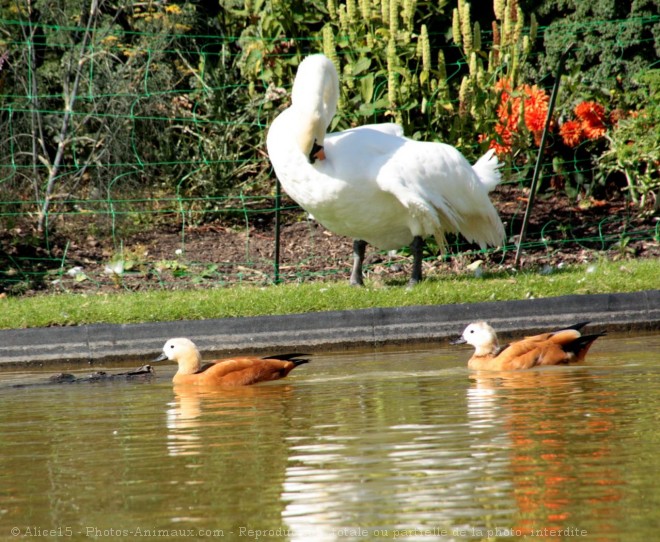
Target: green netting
161 155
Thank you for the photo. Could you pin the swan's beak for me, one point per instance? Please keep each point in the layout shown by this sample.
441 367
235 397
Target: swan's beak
460 340
317 153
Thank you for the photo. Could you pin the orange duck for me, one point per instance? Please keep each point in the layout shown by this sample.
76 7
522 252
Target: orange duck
564 346
231 372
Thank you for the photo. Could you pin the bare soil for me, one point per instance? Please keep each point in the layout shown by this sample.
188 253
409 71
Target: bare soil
170 255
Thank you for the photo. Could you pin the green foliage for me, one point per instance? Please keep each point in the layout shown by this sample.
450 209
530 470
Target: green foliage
616 40
635 145
136 100
393 62
383 53
92 85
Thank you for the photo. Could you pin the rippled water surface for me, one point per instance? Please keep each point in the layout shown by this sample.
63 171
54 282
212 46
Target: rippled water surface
359 446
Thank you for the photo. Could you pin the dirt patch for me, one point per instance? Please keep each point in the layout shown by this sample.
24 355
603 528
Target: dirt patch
171 255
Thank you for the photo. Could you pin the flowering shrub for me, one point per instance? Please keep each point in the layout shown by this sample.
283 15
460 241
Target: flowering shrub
625 143
571 133
531 101
634 151
590 124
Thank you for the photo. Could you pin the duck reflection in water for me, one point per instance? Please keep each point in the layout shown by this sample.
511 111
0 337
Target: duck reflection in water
197 410
556 420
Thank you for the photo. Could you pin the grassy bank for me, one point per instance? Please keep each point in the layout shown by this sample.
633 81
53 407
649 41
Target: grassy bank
162 305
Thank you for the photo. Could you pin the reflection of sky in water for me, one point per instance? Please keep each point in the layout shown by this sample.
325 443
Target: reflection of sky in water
422 478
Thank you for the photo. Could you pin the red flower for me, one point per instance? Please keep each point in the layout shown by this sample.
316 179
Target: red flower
503 86
509 113
571 133
505 133
534 104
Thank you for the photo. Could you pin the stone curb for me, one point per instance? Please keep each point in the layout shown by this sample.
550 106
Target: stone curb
325 330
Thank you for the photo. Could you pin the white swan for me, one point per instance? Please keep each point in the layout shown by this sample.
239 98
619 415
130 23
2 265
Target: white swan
372 184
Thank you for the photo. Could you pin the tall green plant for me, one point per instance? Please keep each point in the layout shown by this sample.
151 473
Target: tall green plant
634 146
394 60
383 52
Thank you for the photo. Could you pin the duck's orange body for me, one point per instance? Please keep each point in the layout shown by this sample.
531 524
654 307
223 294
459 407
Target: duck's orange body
231 372
554 348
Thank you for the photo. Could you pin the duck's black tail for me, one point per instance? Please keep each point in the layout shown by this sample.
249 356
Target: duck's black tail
576 327
580 346
294 358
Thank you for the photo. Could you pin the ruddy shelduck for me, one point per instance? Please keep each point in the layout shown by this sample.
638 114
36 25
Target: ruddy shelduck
230 372
564 346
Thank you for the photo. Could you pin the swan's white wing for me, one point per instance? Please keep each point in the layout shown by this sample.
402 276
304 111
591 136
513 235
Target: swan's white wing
389 128
442 192
357 154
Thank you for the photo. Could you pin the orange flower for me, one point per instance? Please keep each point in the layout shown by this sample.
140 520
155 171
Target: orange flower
592 115
593 130
503 86
590 112
571 133
536 108
509 112
534 104
500 149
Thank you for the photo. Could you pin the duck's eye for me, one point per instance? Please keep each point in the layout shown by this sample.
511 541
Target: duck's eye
171 346
472 331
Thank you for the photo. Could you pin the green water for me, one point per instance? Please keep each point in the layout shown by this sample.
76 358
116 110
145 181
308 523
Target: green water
359 446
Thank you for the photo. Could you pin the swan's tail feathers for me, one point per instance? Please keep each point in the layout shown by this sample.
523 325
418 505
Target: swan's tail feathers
485 229
487 169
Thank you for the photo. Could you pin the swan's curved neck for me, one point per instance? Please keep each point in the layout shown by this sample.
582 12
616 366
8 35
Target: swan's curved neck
314 99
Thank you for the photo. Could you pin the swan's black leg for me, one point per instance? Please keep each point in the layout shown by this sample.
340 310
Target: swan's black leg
359 247
417 249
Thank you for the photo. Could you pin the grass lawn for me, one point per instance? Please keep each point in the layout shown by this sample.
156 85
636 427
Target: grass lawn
163 305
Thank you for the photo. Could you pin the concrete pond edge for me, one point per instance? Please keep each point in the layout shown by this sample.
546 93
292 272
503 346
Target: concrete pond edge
332 330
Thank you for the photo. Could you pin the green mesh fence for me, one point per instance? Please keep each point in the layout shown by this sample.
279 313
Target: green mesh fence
144 196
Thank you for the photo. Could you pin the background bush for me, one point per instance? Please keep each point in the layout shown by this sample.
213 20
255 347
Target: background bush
152 100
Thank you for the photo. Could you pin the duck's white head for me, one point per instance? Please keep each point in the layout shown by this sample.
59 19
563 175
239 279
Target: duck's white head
481 336
184 352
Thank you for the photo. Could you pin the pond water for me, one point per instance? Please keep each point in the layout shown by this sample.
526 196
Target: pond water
389 444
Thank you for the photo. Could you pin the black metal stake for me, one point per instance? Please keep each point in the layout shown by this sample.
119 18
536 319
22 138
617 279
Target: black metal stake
539 158
276 263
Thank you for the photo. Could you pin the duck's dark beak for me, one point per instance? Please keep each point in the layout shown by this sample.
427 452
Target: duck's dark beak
317 153
162 357
460 340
